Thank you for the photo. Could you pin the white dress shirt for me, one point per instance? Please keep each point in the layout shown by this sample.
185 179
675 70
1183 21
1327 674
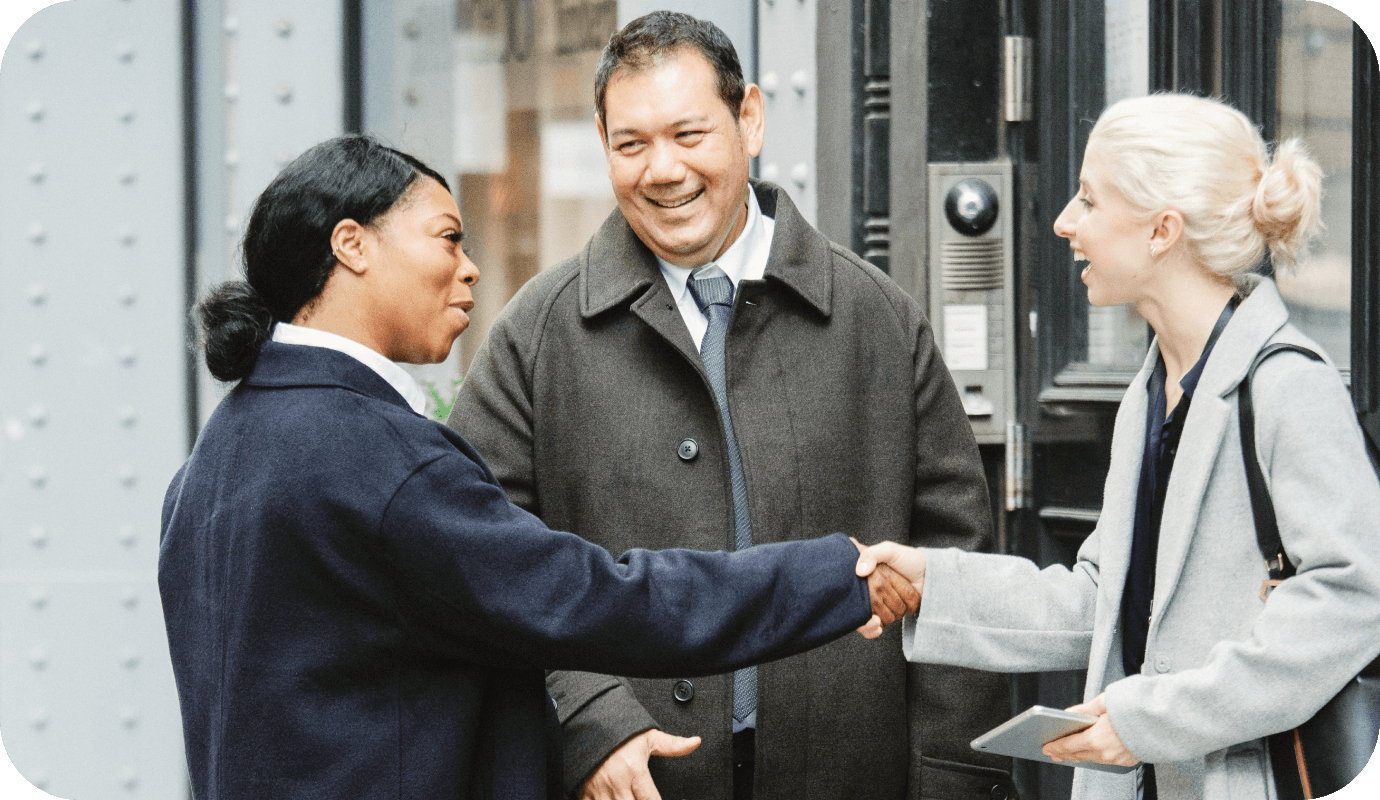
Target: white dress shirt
396 376
744 260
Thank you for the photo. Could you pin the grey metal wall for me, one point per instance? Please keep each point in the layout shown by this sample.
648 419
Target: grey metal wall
93 396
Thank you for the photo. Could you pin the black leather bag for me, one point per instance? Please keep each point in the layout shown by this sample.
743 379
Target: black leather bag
1328 751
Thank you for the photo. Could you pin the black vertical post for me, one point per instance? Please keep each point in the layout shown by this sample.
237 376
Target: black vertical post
1250 61
876 233
1182 45
352 65
189 220
1365 232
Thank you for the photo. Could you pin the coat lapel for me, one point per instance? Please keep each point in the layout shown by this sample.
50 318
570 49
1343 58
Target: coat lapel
1257 319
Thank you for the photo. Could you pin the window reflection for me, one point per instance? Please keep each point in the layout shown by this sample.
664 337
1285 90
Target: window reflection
1315 105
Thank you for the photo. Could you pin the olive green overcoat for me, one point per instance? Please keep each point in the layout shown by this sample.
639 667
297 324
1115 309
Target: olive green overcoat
589 402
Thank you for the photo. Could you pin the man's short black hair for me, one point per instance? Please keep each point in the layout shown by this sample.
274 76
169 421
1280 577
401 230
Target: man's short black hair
650 38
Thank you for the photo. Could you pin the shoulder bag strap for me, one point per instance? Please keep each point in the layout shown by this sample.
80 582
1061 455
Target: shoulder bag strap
1266 526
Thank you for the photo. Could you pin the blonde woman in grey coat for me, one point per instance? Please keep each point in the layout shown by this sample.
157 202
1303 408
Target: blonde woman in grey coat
1188 667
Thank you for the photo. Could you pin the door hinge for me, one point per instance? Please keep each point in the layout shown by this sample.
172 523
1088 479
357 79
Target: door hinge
1019 52
1017 467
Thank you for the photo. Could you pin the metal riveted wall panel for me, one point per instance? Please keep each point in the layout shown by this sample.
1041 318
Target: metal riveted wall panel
269 79
92 403
786 73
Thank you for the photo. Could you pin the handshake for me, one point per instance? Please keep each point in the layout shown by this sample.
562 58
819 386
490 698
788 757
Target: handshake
895 579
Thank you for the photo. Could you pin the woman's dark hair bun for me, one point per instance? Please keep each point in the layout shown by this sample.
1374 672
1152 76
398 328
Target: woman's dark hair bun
235 323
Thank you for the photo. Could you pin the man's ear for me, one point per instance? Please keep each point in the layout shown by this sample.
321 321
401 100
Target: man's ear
347 245
752 119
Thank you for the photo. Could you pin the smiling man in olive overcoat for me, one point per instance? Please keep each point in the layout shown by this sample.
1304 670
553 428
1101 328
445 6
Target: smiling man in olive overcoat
712 369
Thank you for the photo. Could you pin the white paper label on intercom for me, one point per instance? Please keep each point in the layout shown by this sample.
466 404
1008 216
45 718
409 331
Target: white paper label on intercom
965 336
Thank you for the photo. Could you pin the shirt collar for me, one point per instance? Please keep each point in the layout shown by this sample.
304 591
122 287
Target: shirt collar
744 260
396 376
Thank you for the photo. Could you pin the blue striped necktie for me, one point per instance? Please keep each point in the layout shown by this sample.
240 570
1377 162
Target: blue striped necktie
714 296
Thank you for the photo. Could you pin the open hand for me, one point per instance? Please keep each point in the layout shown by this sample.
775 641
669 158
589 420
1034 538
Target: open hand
1100 743
624 774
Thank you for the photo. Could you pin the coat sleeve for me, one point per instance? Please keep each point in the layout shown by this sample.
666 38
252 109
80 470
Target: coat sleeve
1315 632
493 411
486 582
949 705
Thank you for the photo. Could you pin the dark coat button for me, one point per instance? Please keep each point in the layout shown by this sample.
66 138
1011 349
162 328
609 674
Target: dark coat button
683 691
999 793
688 449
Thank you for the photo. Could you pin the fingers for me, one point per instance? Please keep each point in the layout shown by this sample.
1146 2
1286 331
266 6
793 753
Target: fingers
1095 707
905 590
624 775
908 561
661 743
1100 743
872 628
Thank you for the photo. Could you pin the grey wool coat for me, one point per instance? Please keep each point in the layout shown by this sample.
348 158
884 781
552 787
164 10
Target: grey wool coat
589 402
1223 668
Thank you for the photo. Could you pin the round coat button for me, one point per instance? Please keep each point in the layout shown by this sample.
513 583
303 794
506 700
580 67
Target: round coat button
999 792
688 449
1162 663
683 691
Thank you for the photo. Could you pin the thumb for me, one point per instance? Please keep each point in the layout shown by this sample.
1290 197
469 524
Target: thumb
883 553
661 743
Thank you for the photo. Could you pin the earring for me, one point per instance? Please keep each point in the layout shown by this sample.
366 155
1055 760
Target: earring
1152 251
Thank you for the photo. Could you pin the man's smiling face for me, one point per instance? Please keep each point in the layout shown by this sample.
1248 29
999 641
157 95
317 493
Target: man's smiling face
677 158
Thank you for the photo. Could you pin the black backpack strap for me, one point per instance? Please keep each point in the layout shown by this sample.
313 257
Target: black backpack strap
1262 508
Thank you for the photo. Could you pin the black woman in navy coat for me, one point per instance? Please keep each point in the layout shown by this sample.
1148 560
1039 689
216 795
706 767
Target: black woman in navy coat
354 608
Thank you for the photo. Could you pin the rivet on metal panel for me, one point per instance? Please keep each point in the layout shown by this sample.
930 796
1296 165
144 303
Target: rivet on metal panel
125 114
771 172
232 91
284 27
38 719
37 354
284 93
38 415
129 779
232 223
38 537
38 658
800 81
127 355
37 233
129 717
38 598
232 24
411 29
35 111
125 52
37 172
127 536
770 83
128 237
130 599
38 477
128 416
129 658
127 295
232 158
412 96
127 175
128 475
800 173
35 50
37 294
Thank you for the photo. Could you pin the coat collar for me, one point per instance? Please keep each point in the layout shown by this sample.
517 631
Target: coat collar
1259 318
615 265
283 366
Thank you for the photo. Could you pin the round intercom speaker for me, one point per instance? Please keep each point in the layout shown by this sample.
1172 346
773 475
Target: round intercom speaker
971 207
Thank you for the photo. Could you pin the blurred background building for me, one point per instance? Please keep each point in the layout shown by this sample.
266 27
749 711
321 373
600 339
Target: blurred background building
135 135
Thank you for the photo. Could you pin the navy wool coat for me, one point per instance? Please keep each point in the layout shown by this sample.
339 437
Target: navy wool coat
354 608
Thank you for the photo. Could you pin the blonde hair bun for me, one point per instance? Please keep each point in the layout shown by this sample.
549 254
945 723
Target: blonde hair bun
1287 201
1206 160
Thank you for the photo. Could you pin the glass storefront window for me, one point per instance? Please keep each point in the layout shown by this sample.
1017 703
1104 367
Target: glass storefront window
1315 105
